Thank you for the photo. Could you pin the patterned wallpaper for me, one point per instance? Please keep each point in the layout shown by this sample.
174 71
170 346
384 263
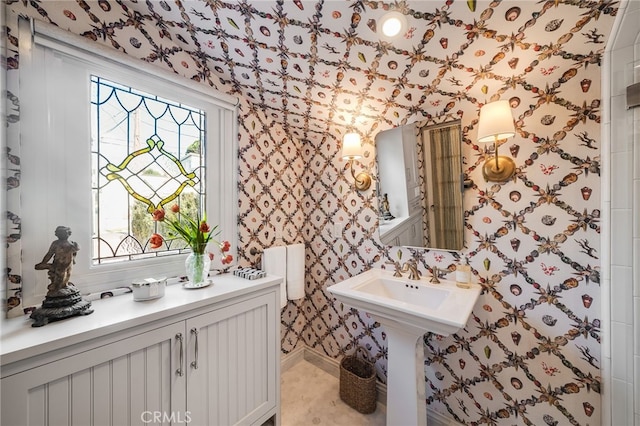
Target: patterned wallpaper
307 72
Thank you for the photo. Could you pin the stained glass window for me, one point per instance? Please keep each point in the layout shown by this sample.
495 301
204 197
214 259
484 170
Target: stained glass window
147 153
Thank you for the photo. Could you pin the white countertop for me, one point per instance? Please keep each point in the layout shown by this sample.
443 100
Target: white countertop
20 340
388 225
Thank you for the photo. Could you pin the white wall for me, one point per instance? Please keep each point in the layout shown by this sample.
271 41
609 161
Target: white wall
391 170
621 209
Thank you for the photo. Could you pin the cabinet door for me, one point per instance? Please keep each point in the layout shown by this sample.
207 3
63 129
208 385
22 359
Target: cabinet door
233 376
415 228
404 237
127 382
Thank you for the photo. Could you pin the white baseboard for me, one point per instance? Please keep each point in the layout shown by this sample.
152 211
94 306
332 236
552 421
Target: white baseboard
438 419
292 358
332 366
328 364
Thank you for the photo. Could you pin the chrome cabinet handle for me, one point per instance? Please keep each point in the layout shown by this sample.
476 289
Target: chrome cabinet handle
180 371
194 363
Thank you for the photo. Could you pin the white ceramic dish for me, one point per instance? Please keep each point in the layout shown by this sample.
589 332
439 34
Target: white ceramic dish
148 288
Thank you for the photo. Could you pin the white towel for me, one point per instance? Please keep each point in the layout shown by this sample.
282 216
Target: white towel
274 262
295 271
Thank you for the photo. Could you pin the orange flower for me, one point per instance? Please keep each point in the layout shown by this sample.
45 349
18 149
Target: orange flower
228 259
158 215
225 246
156 241
195 232
204 227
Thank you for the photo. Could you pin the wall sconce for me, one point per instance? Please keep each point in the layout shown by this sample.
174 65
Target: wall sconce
495 123
352 150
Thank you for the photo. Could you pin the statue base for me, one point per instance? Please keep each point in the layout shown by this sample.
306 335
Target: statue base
59 304
386 216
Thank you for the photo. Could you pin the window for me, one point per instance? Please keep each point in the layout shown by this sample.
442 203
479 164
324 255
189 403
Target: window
104 139
146 153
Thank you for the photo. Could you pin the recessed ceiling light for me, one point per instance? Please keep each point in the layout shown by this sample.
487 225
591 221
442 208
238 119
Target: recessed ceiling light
392 24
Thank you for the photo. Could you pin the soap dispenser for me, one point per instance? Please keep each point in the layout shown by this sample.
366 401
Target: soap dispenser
463 274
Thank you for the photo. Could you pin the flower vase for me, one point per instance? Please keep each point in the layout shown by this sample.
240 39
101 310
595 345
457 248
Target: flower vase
197 267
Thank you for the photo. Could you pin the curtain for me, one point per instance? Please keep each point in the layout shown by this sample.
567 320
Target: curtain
445 186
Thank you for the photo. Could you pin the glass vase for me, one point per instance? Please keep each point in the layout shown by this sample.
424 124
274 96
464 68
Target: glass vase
197 268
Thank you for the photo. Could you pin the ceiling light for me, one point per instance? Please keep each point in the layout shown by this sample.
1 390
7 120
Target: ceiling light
392 24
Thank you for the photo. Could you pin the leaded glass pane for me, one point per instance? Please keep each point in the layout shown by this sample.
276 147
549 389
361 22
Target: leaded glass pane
146 154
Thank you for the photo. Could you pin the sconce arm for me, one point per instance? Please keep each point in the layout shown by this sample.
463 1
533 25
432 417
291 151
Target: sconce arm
499 168
362 180
495 151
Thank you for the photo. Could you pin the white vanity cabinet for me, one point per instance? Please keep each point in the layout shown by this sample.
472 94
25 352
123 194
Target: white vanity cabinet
406 231
231 376
112 384
207 357
412 234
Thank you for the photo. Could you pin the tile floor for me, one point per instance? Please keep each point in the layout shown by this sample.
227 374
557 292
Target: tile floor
310 396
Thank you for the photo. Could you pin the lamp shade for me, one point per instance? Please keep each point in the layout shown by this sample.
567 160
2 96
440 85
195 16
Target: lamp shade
495 122
351 147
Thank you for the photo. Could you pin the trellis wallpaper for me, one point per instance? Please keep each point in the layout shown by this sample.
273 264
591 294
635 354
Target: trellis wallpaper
307 72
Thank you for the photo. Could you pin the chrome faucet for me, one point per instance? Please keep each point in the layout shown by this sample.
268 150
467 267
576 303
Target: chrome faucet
412 267
434 276
396 265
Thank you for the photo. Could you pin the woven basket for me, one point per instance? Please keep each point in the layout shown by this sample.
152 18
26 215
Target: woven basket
358 382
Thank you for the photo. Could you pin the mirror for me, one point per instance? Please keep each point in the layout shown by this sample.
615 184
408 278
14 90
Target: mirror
420 184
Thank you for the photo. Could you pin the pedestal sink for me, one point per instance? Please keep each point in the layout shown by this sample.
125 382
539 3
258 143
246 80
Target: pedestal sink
407 309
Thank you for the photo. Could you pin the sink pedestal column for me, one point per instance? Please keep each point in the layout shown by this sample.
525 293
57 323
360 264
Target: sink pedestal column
406 393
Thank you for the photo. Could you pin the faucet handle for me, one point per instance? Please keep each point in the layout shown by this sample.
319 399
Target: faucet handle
434 276
396 265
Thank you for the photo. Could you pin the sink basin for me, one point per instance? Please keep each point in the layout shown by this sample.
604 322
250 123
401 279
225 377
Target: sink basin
440 308
407 309
401 291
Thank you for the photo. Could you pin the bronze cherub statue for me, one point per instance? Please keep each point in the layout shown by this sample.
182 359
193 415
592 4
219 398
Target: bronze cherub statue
63 299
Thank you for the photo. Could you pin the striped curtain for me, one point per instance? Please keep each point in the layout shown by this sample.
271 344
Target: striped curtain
445 185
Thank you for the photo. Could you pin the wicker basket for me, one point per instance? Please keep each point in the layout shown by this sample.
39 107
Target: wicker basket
358 382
